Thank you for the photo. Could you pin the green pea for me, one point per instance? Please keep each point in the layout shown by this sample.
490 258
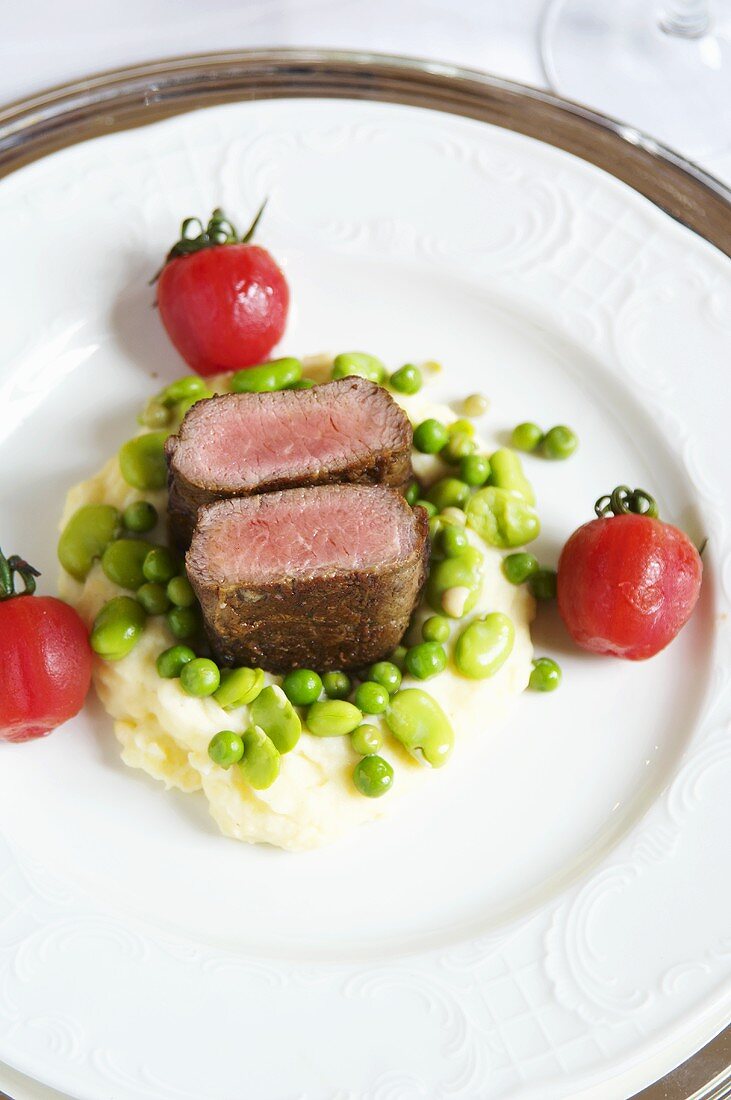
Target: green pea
407 379
559 442
159 565
484 646
506 472
191 386
458 446
474 470
86 536
239 686
436 629
117 628
302 687
276 375
301 384
371 698
184 622
360 363
436 524
475 405
430 436
226 748
180 592
153 598
139 517
517 568
419 723
273 712
336 685
461 427
398 656
373 776
366 740
454 516
425 660
200 677
545 675
429 508
122 562
261 761
154 414
333 718
448 492
453 541
411 495
171 661
502 518
526 436
461 572
386 674
542 584
142 461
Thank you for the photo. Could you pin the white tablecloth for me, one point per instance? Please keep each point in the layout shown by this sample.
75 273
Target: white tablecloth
47 42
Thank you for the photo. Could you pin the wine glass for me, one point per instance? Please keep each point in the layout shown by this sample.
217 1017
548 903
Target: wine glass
664 68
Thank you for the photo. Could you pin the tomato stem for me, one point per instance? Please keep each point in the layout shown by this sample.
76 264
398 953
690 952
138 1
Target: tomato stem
249 234
623 500
11 566
194 236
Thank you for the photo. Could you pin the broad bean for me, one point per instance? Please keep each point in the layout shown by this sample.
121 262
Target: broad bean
273 712
461 572
276 375
333 718
506 472
502 517
117 628
484 646
142 461
122 562
419 723
86 536
261 761
360 363
238 687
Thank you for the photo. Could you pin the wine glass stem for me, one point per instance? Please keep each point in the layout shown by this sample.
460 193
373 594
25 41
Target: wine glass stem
687 18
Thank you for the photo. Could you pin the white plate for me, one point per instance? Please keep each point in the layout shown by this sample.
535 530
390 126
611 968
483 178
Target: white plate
554 908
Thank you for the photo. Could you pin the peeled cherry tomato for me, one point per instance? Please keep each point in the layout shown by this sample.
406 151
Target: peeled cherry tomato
627 581
222 300
45 659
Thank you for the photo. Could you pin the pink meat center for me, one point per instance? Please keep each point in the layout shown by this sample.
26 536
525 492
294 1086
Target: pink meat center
305 531
248 441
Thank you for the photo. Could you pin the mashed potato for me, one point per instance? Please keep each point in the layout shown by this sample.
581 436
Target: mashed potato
166 732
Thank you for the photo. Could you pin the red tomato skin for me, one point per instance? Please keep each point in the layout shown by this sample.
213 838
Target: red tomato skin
45 666
627 584
224 307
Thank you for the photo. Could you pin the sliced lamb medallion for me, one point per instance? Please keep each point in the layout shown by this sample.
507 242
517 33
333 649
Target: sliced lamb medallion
240 444
322 578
